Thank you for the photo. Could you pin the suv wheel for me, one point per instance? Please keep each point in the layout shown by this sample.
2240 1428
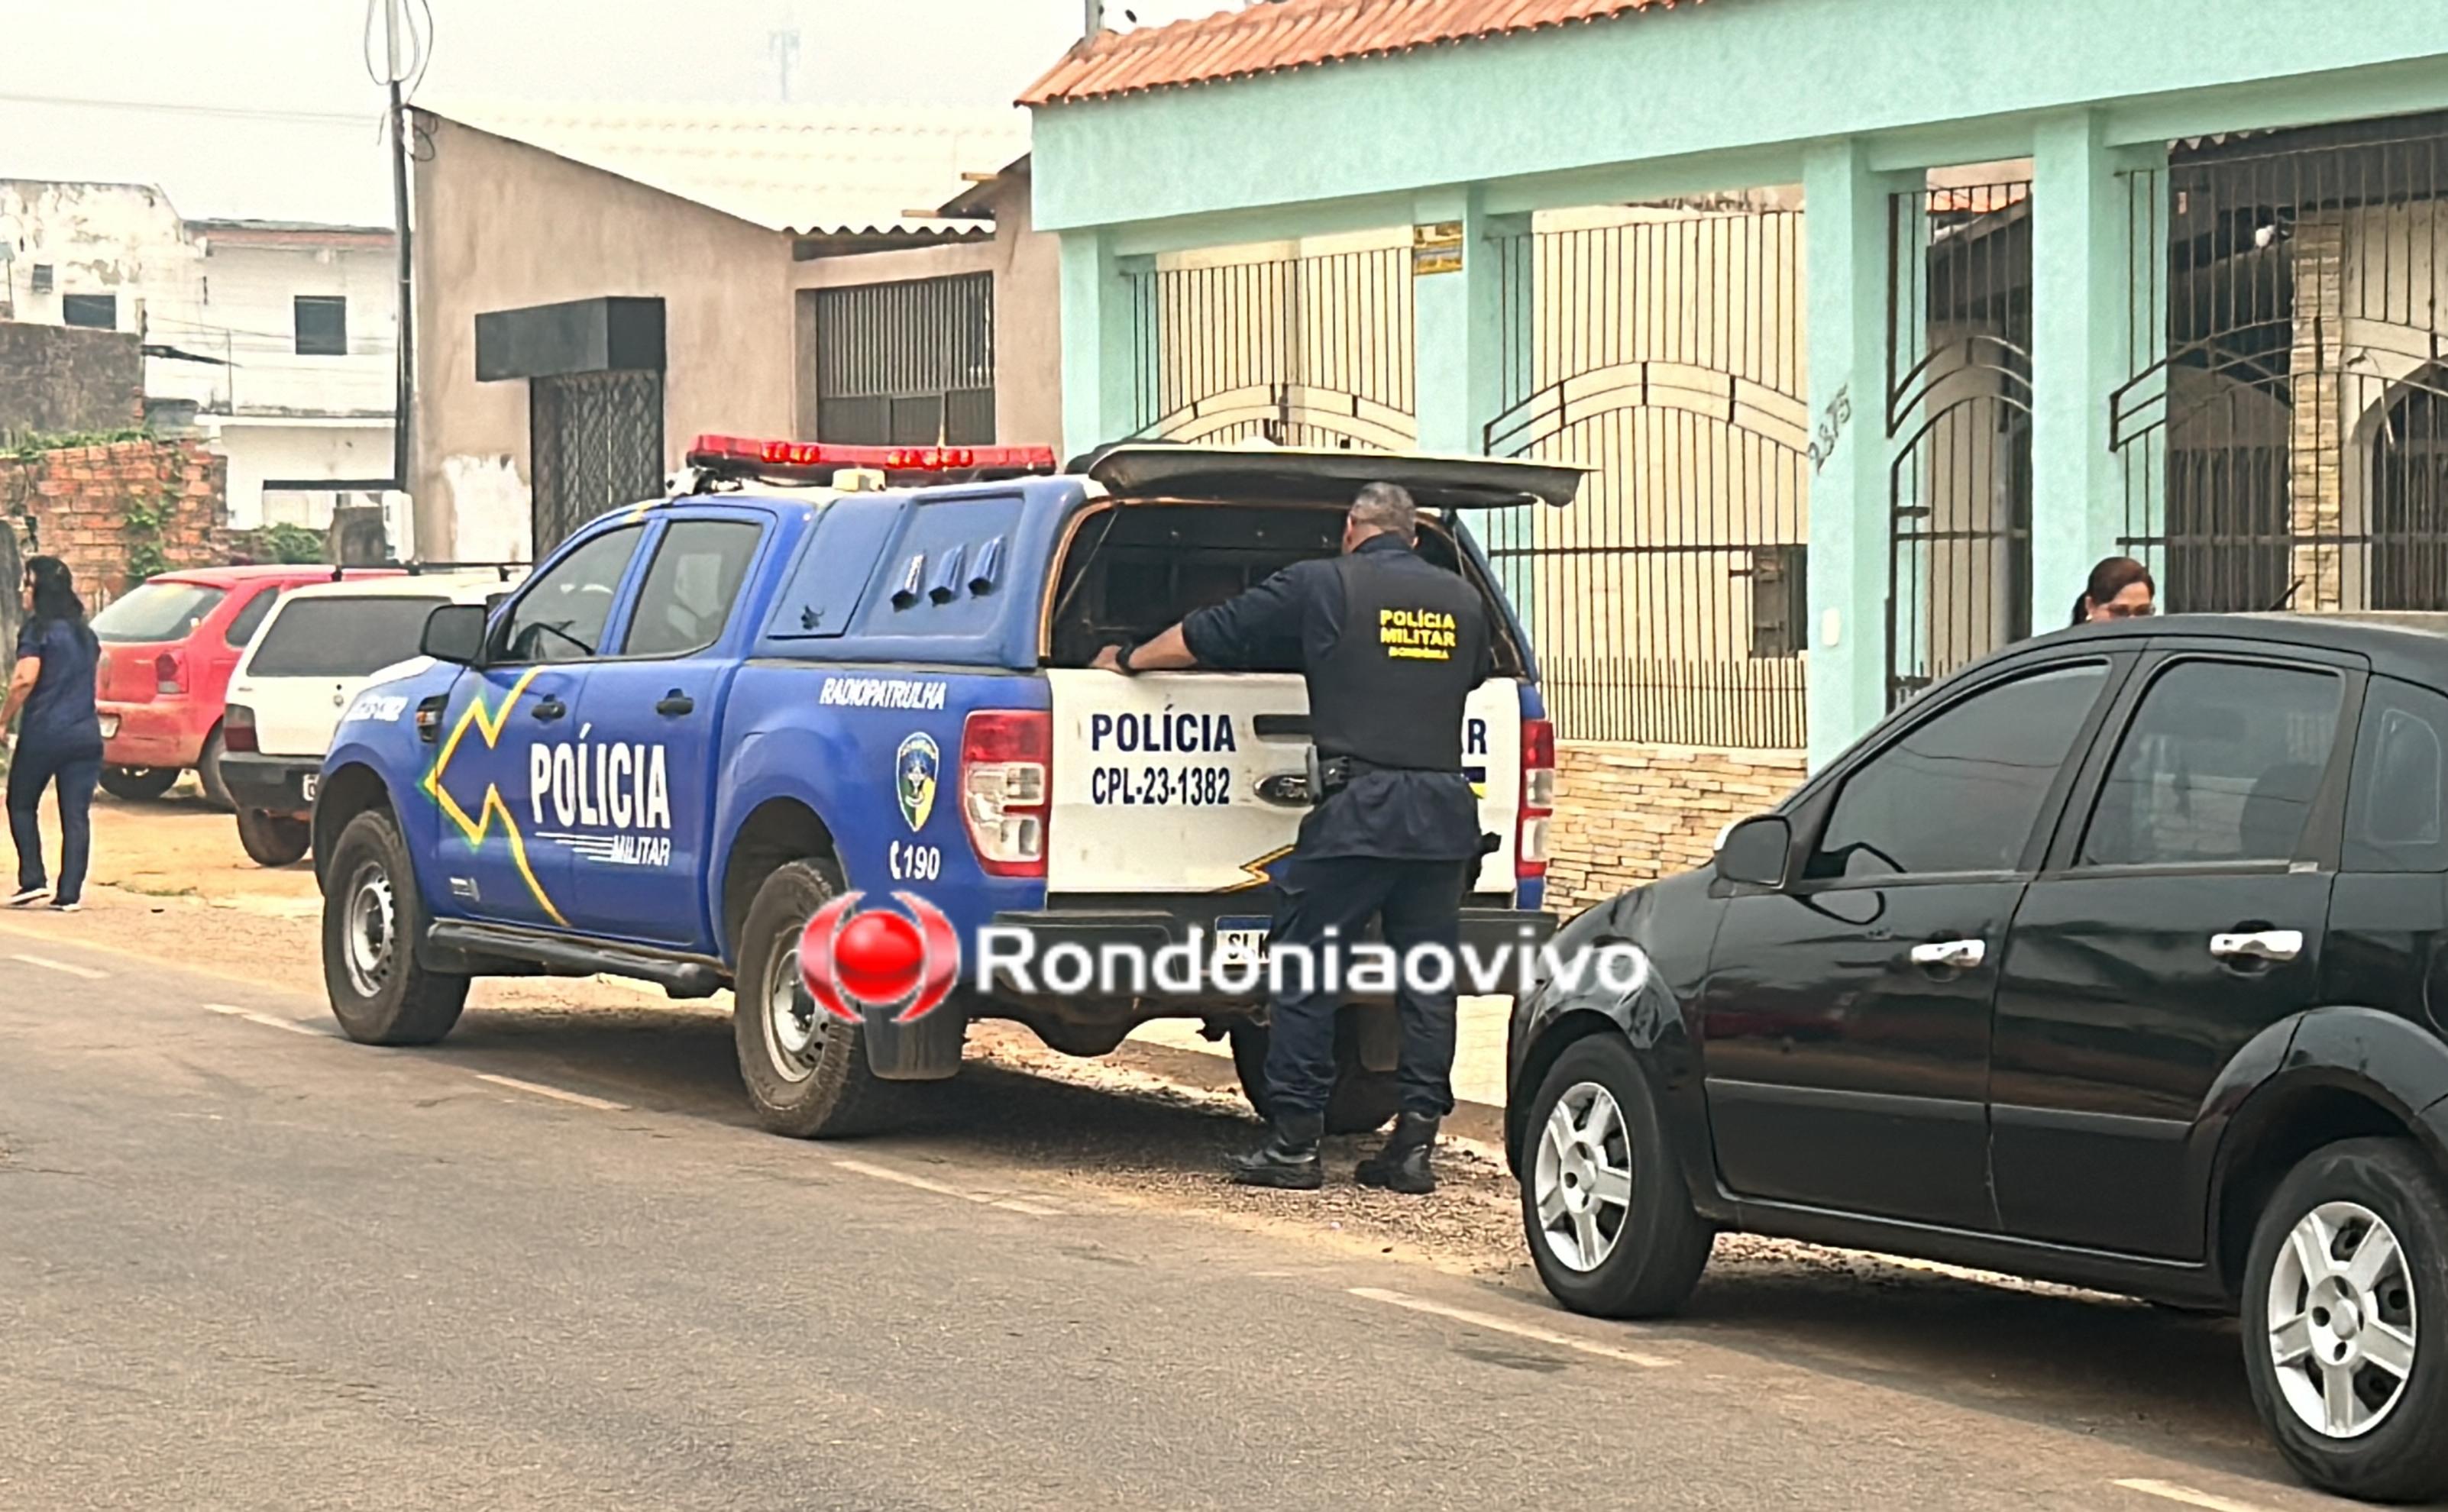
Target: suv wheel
372 920
806 1071
1604 1202
272 839
2345 1321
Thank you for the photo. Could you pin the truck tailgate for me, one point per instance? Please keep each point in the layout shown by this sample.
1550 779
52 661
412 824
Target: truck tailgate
1156 778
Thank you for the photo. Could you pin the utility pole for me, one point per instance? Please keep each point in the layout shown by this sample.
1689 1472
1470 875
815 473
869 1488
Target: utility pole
784 46
404 393
1095 19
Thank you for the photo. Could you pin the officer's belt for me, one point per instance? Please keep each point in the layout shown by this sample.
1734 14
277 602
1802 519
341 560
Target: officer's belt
1329 775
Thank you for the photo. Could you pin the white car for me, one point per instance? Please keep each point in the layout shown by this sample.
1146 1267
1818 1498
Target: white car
320 646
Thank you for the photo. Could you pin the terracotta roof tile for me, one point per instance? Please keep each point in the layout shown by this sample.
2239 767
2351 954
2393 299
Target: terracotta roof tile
1271 36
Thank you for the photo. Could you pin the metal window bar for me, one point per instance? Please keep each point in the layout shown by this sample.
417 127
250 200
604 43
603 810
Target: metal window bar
1668 603
1311 350
598 444
1958 414
2284 438
906 363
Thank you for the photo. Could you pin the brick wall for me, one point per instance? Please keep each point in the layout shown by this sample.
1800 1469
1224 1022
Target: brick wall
55 378
76 505
1632 813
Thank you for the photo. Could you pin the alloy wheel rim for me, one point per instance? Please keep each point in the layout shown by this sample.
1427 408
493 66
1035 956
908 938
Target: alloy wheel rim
794 1029
1582 1177
2340 1320
372 931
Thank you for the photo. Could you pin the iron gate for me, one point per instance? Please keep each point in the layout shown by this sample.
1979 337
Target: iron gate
1958 407
908 363
1665 352
1311 351
597 443
2284 440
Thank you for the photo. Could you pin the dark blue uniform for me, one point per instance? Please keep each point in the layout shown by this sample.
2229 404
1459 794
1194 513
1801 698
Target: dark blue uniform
1391 645
58 743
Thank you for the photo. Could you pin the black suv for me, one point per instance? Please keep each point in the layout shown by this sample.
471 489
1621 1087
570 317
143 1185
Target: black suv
2119 958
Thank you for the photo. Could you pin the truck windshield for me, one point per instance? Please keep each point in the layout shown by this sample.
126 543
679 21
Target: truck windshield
1133 570
341 638
156 611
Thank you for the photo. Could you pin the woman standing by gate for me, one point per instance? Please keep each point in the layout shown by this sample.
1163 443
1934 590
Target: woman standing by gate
61 742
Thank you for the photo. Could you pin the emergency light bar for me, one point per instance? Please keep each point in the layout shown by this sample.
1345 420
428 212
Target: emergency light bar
817 461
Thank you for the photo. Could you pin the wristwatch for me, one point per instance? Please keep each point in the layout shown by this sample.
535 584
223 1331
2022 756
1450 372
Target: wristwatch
1122 661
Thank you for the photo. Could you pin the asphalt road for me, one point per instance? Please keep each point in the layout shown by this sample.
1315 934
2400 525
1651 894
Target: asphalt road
245 1264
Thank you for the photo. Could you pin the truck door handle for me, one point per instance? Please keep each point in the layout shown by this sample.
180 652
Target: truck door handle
1950 955
550 708
676 703
2271 945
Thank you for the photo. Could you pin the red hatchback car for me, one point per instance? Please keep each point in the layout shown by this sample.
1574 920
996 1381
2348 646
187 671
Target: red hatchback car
167 649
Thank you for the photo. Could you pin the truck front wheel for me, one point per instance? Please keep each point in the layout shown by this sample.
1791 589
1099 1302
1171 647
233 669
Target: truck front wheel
372 920
806 1071
1362 1100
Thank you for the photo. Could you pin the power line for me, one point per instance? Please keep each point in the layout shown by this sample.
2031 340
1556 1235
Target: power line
171 107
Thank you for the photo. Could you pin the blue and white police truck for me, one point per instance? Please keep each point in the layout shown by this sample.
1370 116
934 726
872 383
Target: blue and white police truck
811 669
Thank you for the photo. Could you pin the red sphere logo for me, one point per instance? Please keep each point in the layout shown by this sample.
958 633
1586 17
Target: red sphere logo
877 958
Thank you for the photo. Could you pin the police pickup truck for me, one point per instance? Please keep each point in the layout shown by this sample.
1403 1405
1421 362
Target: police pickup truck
707 714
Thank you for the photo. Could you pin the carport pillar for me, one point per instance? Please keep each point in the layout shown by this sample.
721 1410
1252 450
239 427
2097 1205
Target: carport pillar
2081 352
1465 321
1851 450
1099 343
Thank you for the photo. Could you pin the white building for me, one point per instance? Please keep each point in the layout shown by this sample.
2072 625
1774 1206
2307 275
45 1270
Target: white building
282 335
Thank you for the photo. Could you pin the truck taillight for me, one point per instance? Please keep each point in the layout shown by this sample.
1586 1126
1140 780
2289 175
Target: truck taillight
168 674
1008 789
1537 798
238 728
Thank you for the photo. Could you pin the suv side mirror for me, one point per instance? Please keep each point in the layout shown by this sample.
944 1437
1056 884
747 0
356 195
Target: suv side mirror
456 632
1755 852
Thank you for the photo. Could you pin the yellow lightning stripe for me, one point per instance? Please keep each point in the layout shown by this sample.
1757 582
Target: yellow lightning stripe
489 725
1258 871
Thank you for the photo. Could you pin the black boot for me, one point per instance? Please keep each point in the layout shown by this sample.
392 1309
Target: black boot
1289 1159
1402 1164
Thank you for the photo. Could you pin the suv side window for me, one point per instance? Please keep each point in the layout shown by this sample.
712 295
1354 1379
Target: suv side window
1961 792
690 589
561 616
249 617
2220 764
2397 812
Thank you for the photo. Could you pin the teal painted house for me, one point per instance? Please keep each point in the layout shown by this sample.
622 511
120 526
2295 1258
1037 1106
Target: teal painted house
1880 320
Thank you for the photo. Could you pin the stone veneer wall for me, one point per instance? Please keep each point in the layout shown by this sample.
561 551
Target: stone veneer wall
1631 813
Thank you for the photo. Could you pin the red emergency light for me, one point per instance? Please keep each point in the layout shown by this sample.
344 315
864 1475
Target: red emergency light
818 461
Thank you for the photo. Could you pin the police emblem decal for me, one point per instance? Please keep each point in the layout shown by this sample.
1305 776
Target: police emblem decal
916 767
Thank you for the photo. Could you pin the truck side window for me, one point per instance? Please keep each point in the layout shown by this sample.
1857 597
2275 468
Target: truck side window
689 588
561 616
2397 812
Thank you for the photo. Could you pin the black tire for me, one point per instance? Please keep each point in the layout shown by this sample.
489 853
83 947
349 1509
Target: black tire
2405 1456
1659 1243
377 990
139 784
208 773
822 1088
273 839
1362 1100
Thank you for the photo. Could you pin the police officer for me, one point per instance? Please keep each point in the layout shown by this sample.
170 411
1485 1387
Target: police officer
1391 646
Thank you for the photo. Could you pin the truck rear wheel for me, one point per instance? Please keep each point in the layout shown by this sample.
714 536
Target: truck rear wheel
372 920
272 839
1362 1100
806 1071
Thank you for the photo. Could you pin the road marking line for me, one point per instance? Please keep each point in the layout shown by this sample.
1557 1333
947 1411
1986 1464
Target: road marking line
885 1173
1525 1331
49 964
599 1104
2185 1495
268 1019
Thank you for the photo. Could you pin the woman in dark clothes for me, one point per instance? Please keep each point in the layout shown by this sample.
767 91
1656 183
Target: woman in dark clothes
60 744
2120 588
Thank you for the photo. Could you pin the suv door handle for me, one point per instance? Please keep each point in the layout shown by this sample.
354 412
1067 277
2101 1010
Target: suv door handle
676 703
2263 945
1950 955
550 708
